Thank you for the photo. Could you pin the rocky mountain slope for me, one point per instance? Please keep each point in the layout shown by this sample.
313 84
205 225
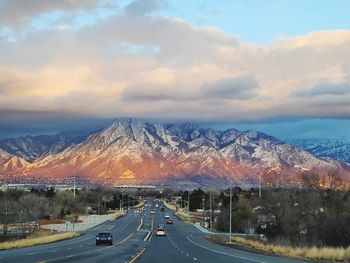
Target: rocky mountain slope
32 147
133 151
336 149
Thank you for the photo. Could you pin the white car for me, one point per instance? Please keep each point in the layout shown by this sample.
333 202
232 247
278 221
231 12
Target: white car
160 231
152 212
166 216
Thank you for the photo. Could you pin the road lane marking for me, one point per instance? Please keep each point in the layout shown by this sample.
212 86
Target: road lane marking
137 255
125 239
111 227
223 253
77 239
90 251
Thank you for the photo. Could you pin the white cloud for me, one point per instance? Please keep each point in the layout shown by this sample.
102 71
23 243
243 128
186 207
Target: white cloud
151 66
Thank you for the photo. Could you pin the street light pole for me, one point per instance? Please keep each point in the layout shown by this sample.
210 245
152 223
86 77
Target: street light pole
203 200
260 185
188 208
210 213
230 234
74 186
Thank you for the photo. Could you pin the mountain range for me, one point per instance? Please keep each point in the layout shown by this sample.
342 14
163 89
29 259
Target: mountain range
131 151
333 148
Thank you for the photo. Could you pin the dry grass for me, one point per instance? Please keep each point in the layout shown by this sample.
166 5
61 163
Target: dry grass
141 204
118 213
37 240
183 215
169 206
50 221
313 253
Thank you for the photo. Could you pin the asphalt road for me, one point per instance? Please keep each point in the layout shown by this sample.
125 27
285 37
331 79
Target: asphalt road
183 243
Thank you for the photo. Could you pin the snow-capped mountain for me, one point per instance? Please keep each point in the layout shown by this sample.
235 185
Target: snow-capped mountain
134 151
32 147
336 149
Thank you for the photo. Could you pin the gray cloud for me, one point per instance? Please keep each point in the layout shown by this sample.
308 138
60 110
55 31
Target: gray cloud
156 93
142 7
15 11
241 88
325 88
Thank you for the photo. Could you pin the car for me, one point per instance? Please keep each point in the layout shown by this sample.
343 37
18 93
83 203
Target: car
170 221
166 216
162 209
161 226
104 237
153 212
157 205
160 231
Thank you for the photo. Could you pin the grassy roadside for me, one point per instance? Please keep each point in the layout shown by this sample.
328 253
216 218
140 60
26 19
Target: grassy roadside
180 214
141 204
310 253
37 240
118 213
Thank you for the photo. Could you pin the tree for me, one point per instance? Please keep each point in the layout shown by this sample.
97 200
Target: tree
243 216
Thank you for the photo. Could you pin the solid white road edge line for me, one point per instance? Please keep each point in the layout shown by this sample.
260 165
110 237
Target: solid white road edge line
223 253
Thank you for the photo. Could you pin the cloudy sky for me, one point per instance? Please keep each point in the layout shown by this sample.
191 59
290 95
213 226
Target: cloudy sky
237 61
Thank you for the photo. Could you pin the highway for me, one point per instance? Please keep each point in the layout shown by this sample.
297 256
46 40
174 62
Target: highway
183 243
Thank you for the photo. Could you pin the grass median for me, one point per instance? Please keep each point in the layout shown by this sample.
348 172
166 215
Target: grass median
37 240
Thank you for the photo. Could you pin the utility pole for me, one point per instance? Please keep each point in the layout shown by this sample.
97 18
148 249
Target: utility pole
74 186
203 200
210 213
260 185
188 208
230 234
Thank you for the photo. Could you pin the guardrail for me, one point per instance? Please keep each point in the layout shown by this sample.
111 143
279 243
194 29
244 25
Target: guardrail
206 231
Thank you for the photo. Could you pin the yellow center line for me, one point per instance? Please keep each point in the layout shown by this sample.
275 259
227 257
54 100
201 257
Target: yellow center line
88 252
125 239
137 255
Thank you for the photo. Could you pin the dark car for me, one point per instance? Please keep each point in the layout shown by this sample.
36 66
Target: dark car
162 209
170 221
104 238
